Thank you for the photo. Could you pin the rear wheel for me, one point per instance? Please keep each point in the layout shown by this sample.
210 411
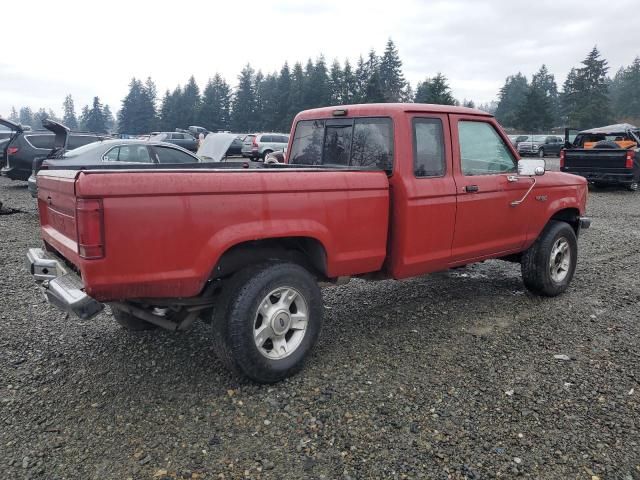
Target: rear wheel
267 320
549 264
541 153
265 153
129 322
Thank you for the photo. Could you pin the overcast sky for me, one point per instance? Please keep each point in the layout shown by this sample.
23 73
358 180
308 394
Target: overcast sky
90 48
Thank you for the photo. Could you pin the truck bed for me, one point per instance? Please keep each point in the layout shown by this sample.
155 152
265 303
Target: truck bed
164 230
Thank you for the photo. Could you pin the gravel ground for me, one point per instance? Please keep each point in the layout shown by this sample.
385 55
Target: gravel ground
451 375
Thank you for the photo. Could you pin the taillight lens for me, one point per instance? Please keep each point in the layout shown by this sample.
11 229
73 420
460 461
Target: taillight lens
631 155
90 228
255 142
562 154
12 150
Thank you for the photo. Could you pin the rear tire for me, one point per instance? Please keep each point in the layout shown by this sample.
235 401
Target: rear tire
257 333
131 323
549 264
541 153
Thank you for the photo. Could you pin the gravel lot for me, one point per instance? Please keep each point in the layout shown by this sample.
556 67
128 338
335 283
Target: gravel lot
447 376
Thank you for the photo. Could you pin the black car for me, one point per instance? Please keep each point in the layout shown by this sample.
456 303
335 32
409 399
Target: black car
25 146
235 149
111 152
182 139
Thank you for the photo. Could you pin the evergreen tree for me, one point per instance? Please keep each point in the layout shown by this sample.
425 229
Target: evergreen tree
138 113
374 93
318 85
296 98
95 121
625 93
109 120
189 104
511 97
268 102
26 116
392 80
586 93
38 117
69 113
361 77
538 112
257 119
336 81
244 101
216 104
84 116
468 103
283 93
13 116
435 90
349 87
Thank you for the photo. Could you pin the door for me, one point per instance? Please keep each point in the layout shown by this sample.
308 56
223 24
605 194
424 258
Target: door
485 171
424 198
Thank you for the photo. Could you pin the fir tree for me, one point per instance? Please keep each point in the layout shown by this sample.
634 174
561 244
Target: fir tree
336 81
435 90
625 93
283 92
69 113
216 104
392 80
26 116
13 116
109 120
95 121
348 88
511 97
244 101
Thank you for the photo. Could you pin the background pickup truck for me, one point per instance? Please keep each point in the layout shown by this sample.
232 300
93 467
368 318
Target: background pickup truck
370 191
604 156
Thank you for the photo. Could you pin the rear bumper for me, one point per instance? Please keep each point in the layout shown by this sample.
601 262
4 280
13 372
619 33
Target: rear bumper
620 178
62 287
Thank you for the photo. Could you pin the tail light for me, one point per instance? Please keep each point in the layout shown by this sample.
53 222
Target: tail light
12 150
90 228
562 154
254 143
631 155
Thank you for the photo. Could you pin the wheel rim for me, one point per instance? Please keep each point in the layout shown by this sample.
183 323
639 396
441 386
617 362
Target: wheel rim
280 323
541 153
560 260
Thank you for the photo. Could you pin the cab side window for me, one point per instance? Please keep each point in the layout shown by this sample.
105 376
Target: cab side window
482 150
428 148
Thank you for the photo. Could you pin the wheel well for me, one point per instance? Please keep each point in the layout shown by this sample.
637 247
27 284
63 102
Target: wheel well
305 251
569 215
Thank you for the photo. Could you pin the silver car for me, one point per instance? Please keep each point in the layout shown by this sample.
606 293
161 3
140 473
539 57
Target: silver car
259 145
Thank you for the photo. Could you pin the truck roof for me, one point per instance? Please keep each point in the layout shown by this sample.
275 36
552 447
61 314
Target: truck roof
372 109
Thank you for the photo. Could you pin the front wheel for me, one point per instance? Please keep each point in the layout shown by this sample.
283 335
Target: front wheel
549 264
267 320
541 153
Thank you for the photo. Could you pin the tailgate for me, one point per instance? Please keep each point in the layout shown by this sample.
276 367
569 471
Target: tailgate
598 160
57 207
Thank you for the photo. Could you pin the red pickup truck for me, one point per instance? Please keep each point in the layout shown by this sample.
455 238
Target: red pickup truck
370 191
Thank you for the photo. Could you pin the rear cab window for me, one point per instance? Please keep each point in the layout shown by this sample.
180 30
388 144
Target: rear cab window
348 142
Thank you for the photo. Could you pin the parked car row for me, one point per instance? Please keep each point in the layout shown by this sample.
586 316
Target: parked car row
259 145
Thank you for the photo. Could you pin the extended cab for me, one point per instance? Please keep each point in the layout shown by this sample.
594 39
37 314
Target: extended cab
604 156
370 191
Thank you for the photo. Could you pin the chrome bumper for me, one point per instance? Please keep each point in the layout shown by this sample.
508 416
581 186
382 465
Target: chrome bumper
62 288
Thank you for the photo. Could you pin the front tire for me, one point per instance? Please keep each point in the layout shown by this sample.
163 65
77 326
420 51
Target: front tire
549 264
541 153
267 320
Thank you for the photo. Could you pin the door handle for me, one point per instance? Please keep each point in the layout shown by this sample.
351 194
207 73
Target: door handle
471 188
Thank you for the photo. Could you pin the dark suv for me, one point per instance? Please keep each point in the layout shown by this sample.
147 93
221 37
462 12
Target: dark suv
27 146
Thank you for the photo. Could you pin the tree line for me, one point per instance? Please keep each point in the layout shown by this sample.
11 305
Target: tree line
97 118
259 102
588 98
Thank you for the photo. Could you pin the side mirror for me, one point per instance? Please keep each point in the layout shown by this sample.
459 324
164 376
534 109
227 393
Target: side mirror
530 167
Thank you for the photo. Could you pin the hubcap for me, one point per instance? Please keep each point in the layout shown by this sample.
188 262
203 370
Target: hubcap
280 323
560 260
